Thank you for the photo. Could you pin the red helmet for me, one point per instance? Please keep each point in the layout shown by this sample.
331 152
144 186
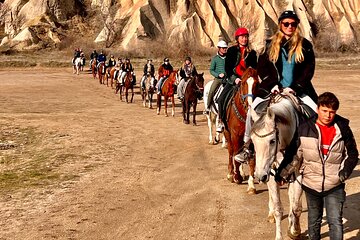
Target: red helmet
241 31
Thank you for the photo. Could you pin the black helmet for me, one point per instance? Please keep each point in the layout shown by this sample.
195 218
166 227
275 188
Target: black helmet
188 58
289 14
166 59
127 59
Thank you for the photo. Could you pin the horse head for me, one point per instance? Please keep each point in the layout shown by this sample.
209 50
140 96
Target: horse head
249 83
199 81
271 133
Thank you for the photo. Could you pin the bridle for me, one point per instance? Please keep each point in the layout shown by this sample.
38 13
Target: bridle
274 162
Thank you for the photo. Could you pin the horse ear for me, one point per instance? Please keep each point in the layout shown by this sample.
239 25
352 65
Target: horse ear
270 116
254 115
202 74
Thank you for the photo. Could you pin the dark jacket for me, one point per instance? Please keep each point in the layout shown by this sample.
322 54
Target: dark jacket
192 71
152 69
94 55
303 73
233 57
127 67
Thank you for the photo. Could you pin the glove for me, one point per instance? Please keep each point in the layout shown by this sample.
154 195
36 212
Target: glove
275 89
279 179
221 75
237 80
288 90
343 175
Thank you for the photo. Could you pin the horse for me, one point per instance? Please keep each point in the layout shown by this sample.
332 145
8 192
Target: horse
148 92
168 91
193 91
82 63
94 67
212 118
77 65
110 73
101 72
128 79
271 133
236 113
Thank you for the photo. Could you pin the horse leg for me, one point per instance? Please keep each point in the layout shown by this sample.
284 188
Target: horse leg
132 94
150 96
194 116
275 206
173 106
158 103
230 174
143 96
295 193
238 178
210 124
165 106
251 185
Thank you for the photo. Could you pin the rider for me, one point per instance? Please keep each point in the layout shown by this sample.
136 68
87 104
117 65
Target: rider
286 65
164 71
187 71
101 58
111 62
217 70
238 58
76 54
127 67
93 55
149 69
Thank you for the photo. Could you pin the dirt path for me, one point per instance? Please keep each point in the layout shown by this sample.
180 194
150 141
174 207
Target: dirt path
83 165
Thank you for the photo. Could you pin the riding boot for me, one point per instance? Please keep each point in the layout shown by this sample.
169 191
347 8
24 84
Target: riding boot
246 153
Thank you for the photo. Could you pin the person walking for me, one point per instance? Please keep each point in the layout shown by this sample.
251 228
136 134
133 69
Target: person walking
327 155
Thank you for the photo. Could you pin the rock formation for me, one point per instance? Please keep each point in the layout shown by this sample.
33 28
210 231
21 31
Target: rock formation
135 23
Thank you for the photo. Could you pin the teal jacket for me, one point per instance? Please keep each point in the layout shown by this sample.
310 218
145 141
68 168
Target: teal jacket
217 66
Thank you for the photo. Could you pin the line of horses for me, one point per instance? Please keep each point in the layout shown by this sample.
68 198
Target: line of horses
271 133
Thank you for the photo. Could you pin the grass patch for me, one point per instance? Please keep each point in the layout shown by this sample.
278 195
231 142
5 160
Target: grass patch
17 64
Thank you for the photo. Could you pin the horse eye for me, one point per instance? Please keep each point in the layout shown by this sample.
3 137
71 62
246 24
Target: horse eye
272 141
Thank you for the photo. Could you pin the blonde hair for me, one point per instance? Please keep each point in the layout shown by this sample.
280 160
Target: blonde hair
295 46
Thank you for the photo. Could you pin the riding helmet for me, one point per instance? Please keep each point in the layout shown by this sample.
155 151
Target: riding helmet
241 31
166 59
188 58
289 14
222 44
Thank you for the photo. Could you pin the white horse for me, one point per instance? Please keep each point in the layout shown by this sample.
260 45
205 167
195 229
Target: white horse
271 134
213 118
77 65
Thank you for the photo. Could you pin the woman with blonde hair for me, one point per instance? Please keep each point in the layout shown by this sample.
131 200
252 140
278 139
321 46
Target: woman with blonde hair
286 65
288 62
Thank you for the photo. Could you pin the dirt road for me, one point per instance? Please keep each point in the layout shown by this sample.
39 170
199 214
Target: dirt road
80 164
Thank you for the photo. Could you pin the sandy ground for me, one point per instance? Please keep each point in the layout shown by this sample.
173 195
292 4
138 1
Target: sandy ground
80 164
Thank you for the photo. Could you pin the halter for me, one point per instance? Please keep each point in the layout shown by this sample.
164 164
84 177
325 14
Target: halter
276 131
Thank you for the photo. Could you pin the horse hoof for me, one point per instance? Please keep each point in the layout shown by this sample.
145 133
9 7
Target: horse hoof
186 122
217 140
230 177
211 143
238 179
296 235
271 219
251 191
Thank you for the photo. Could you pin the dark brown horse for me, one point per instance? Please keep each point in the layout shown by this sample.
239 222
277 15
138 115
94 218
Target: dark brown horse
94 68
148 92
128 84
236 116
194 90
101 73
168 91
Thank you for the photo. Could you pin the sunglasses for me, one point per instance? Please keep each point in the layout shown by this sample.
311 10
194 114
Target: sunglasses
292 24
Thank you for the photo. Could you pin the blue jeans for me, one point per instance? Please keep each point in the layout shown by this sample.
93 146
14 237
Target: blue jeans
334 203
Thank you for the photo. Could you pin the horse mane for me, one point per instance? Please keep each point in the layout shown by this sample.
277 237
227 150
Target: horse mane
282 113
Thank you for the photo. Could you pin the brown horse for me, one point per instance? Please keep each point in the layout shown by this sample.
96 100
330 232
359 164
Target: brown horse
128 84
148 92
110 73
236 116
101 73
194 90
94 68
168 91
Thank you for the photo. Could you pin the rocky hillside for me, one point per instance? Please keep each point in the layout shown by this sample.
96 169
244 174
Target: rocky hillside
129 24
